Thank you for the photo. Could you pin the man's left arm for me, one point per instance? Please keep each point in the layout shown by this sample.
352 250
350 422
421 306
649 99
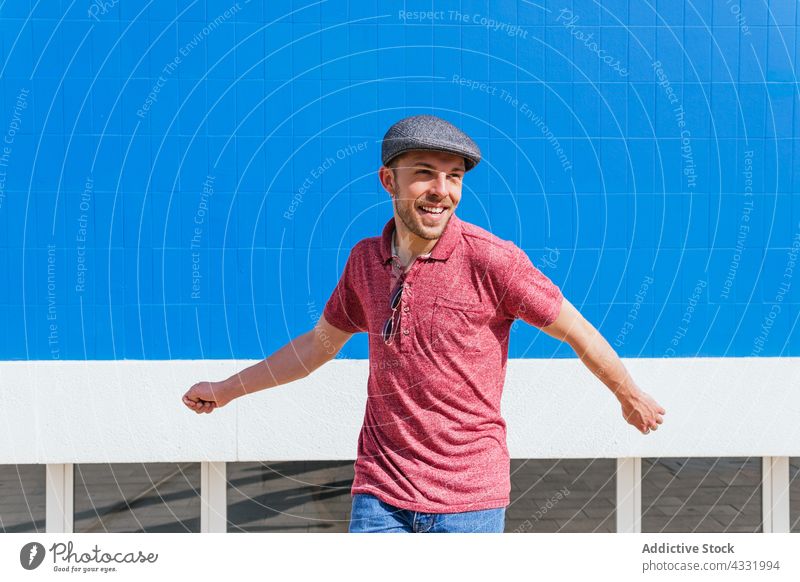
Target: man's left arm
638 408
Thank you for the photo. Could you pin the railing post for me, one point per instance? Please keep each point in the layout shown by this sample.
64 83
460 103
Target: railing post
775 494
213 498
59 498
629 495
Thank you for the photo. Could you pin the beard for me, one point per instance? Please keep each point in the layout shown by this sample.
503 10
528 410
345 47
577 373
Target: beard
411 218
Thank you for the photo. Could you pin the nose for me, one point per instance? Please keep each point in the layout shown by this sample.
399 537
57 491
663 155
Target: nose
440 183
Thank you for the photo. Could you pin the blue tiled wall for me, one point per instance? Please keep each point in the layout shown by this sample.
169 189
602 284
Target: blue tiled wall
185 179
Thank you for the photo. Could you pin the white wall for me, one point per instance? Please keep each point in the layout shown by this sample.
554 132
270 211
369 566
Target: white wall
131 411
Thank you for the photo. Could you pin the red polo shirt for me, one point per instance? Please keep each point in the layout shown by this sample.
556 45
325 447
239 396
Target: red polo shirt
433 439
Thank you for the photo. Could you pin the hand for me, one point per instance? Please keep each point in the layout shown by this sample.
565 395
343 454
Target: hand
205 397
642 411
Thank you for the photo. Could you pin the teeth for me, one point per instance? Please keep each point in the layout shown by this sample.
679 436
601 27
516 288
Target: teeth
433 209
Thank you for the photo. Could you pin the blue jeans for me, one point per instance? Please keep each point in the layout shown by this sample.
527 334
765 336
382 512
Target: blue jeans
371 515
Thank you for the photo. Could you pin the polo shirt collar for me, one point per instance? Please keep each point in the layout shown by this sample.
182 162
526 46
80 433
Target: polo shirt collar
441 250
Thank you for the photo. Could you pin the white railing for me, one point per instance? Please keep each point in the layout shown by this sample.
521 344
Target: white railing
62 413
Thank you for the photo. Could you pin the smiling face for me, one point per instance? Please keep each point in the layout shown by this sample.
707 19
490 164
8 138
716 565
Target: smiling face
425 188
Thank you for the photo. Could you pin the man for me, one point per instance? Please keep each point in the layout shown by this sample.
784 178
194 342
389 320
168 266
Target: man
437 296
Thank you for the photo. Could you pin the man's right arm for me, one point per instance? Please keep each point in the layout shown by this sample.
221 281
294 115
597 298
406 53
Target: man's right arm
295 360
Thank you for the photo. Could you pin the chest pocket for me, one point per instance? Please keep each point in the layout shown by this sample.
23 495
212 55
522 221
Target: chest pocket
456 326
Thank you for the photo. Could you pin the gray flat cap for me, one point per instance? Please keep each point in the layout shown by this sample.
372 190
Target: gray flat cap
428 132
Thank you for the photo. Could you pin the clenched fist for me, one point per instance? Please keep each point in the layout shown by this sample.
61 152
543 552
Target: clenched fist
205 397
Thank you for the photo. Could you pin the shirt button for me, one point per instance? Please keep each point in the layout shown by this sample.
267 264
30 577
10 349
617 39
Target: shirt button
405 308
405 332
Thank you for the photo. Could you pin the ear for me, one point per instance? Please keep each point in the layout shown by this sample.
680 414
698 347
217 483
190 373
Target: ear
387 180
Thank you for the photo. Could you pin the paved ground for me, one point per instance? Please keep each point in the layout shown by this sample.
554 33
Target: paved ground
678 495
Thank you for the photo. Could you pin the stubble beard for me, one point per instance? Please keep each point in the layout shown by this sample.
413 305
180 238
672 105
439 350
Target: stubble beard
407 213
